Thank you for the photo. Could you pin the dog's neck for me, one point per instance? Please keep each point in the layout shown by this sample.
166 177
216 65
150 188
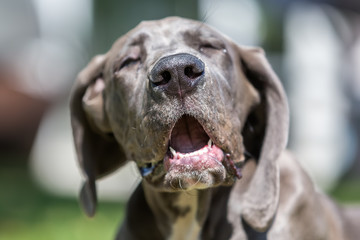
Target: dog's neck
179 215
198 213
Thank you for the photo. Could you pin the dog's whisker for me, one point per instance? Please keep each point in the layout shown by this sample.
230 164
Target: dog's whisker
180 184
194 184
208 12
172 186
199 179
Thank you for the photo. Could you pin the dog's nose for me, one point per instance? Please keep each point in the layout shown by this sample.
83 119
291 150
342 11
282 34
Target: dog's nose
177 74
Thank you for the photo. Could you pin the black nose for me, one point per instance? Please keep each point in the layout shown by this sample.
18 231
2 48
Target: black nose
177 74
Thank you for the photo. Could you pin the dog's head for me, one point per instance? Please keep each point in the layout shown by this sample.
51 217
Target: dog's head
188 106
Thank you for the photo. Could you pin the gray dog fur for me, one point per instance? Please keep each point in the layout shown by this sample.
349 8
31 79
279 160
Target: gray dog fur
119 113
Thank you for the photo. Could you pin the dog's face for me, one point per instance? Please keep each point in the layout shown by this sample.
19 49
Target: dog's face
182 101
176 102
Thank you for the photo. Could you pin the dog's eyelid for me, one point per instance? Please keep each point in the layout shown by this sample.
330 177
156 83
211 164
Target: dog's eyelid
127 61
208 45
215 46
134 56
213 43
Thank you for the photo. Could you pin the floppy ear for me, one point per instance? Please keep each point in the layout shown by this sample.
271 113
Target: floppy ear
265 137
97 150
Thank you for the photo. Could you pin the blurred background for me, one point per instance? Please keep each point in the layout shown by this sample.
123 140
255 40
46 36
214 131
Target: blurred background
314 46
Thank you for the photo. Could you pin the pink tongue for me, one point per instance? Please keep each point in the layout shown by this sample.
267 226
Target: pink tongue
206 157
190 143
188 135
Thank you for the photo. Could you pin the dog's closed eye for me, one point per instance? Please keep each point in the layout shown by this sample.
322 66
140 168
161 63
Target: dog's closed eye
209 48
211 45
129 60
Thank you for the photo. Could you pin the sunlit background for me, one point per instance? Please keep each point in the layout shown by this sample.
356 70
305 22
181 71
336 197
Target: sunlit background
314 46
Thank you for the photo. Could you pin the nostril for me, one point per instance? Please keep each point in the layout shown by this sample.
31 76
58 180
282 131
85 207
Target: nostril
164 78
190 73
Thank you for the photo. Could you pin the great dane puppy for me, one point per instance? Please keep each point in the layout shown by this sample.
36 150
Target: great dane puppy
206 122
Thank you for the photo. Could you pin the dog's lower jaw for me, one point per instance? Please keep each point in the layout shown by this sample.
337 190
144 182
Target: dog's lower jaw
179 215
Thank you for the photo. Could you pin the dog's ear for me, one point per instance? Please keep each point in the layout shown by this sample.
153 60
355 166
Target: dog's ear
265 136
97 151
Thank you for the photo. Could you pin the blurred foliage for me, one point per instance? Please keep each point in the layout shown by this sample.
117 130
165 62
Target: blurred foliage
272 27
113 18
347 191
27 213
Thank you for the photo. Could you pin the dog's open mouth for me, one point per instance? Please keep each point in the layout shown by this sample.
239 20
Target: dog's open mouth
190 146
191 150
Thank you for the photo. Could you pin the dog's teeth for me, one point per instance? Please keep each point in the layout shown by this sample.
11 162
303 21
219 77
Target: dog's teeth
173 152
210 143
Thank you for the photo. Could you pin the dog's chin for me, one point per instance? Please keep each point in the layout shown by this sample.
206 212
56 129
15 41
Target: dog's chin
199 169
192 161
185 172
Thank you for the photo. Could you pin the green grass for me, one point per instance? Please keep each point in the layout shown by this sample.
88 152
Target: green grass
27 213
347 191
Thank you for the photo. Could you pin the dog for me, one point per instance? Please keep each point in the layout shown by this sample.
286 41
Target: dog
206 122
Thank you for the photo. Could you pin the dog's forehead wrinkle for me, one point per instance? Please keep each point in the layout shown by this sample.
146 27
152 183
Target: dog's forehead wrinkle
176 36
201 34
138 38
